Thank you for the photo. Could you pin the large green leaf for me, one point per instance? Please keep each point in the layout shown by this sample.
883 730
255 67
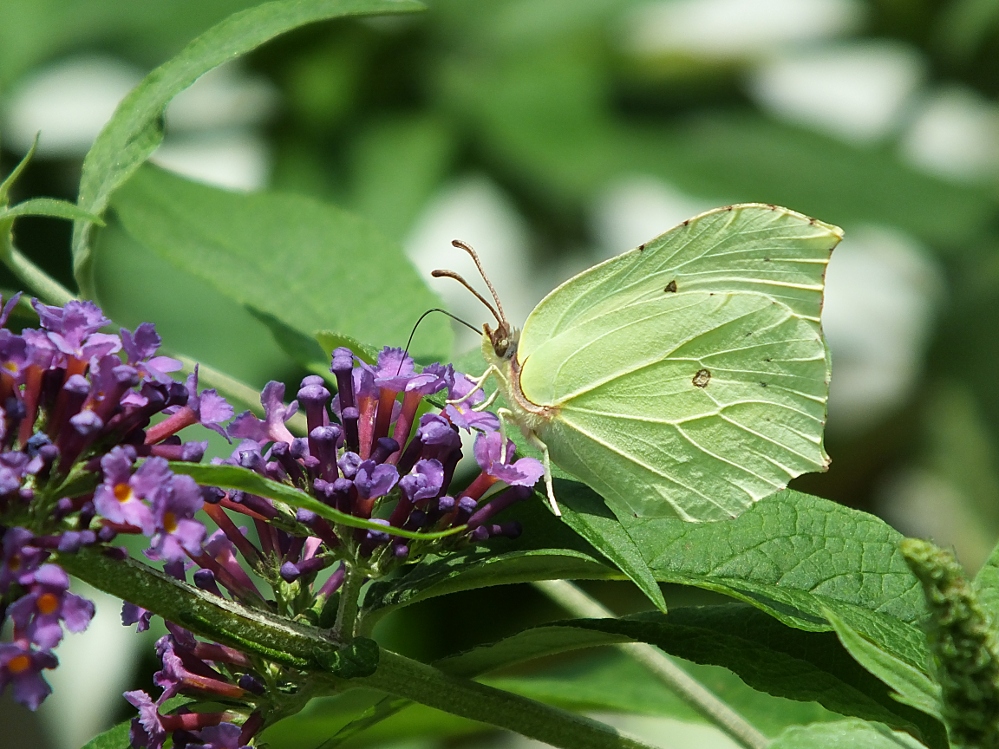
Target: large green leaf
617 683
767 655
845 734
308 264
793 556
135 130
911 685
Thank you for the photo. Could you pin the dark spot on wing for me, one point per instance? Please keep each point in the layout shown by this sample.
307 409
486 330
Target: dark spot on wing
768 359
702 378
670 287
766 260
763 384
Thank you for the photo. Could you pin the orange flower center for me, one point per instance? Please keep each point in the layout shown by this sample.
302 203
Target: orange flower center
48 603
122 492
169 522
19 664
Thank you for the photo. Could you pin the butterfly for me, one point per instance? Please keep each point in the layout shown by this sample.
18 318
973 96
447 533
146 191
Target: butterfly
687 377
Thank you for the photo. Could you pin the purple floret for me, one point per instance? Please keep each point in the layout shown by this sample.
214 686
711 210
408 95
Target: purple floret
271 428
489 456
48 603
141 348
21 668
423 482
119 497
177 533
462 414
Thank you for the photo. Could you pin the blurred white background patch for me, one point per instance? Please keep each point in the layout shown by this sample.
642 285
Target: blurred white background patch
477 212
882 294
68 102
855 91
954 134
634 209
212 128
732 29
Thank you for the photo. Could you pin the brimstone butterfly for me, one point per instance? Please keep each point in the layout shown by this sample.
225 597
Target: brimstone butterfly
687 377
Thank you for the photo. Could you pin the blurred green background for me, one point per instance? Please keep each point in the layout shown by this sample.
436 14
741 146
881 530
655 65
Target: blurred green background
551 134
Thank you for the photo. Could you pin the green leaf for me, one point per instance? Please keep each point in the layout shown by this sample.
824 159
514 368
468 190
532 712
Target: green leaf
614 682
307 264
585 512
480 568
243 479
330 341
794 555
912 686
52 208
113 738
304 350
11 178
135 129
845 734
765 654
327 719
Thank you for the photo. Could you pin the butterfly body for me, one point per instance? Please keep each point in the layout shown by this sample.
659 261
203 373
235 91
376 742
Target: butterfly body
687 377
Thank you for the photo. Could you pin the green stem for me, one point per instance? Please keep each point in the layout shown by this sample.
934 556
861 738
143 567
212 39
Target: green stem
346 615
308 649
572 599
429 686
41 283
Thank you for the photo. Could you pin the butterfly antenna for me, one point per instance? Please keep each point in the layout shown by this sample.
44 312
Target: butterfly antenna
417 324
501 317
451 274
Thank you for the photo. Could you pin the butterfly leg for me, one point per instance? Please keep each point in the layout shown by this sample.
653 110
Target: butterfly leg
546 461
477 382
505 414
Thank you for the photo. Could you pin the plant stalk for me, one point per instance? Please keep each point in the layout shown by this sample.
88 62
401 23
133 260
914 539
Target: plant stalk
42 284
714 710
346 615
429 686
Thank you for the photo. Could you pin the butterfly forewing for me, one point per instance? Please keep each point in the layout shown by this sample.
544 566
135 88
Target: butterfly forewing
689 378
751 247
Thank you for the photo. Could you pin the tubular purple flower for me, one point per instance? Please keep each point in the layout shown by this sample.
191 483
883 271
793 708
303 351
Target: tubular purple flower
147 731
119 497
462 414
20 558
38 614
132 614
207 408
176 530
373 481
272 428
424 482
21 667
141 349
489 456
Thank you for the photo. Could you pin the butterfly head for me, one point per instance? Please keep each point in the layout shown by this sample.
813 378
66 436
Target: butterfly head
503 340
501 343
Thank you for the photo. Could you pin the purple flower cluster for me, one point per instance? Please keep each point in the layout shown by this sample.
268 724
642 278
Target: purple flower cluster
370 453
75 410
82 462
